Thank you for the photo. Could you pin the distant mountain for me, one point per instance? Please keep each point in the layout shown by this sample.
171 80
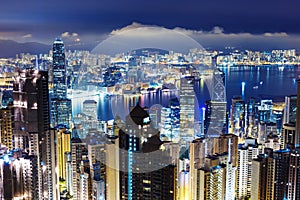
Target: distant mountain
9 48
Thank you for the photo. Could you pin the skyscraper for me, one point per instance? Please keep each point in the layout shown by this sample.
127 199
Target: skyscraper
146 172
290 109
59 70
187 104
61 107
216 107
31 123
237 121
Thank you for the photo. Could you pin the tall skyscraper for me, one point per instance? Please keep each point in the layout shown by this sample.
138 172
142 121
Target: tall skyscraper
59 70
31 123
187 112
216 107
237 120
63 142
61 107
146 172
290 109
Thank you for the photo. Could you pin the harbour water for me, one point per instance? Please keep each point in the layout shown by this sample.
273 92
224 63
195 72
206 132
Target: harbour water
264 82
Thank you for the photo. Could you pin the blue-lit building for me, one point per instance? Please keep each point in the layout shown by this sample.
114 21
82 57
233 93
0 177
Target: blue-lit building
59 70
237 120
61 107
145 172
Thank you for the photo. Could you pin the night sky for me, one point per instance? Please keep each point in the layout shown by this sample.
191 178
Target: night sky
93 20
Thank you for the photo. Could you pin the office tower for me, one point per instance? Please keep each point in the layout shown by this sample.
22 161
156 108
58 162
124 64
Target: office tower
237 119
31 121
175 120
112 174
289 114
61 107
59 70
63 142
90 108
61 112
246 154
187 104
146 172
6 127
165 125
217 106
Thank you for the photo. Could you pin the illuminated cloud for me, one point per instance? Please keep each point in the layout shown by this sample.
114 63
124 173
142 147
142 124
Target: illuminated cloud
217 30
27 36
134 25
65 35
282 34
70 37
138 35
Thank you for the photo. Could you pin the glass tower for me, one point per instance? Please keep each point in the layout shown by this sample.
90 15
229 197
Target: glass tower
59 70
61 107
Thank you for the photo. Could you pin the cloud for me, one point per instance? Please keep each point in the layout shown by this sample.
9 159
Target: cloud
134 25
217 30
65 35
27 36
74 37
282 34
187 31
219 38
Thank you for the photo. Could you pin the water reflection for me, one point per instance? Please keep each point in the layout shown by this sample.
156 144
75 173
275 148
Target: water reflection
261 82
